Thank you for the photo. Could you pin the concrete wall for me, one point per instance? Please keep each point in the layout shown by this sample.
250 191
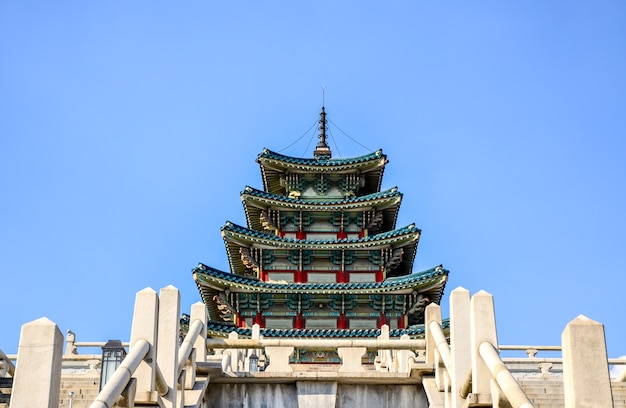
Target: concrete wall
288 396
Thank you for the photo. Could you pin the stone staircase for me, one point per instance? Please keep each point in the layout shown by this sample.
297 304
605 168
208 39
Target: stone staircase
543 392
548 392
85 387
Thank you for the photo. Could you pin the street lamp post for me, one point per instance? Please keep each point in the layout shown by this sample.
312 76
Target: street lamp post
112 355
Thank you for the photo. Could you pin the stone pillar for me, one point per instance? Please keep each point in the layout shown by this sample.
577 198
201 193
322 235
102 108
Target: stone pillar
70 348
37 380
432 313
145 320
482 328
351 359
384 355
405 357
586 378
279 359
460 344
235 355
168 341
316 394
198 312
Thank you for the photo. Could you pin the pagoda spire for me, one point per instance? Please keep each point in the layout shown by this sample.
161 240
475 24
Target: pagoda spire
322 151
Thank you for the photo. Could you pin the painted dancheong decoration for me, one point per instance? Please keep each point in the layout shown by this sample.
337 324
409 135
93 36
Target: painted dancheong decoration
321 255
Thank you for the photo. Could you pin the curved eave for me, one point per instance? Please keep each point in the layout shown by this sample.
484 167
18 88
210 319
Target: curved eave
237 237
256 201
273 165
214 279
211 282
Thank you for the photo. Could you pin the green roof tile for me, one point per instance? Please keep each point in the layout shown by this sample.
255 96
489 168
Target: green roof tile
320 161
223 329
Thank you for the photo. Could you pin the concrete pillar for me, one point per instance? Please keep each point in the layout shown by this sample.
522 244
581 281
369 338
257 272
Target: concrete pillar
405 357
145 320
316 394
383 361
351 359
235 355
70 348
198 312
460 343
279 359
168 338
37 380
432 313
482 328
586 378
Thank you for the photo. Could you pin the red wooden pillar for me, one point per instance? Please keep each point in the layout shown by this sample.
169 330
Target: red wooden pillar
342 322
401 322
342 277
299 324
258 319
382 320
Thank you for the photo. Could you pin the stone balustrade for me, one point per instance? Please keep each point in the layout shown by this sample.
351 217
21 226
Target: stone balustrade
465 370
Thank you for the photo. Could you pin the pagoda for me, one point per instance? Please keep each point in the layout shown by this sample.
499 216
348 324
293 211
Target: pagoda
321 254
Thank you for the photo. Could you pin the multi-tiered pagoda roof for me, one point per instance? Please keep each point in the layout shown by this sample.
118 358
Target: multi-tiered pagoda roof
321 255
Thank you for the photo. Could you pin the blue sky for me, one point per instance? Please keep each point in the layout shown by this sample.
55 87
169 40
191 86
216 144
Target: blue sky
128 129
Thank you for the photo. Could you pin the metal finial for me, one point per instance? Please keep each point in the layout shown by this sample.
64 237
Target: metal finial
322 150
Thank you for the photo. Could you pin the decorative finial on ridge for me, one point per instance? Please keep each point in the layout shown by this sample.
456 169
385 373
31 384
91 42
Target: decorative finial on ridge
322 151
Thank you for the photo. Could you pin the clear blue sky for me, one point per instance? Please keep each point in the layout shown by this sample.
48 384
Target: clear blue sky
128 129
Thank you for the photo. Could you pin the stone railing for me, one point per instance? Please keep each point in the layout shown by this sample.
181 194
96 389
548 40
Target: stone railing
465 370
470 371
158 369
393 355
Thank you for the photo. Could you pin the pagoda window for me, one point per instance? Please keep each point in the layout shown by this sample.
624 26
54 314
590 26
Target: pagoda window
281 277
361 277
280 264
278 322
322 236
320 323
362 265
362 323
321 277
